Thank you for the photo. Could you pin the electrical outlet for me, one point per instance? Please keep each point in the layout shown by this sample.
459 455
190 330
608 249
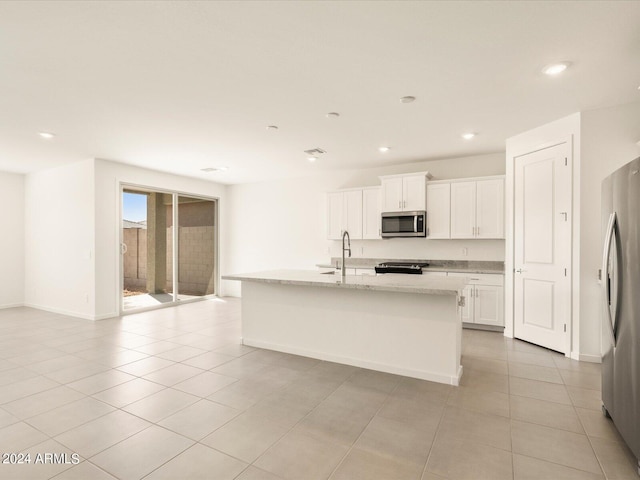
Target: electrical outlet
465 252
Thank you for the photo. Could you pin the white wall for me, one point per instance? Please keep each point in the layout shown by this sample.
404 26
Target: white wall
12 240
609 139
59 239
108 176
282 224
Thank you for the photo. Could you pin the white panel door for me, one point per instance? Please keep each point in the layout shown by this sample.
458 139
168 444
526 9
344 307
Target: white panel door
353 213
438 210
335 212
542 241
463 209
371 213
414 192
392 195
490 208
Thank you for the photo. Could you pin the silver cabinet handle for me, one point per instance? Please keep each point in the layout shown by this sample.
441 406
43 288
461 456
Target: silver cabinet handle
606 255
478 231
399 204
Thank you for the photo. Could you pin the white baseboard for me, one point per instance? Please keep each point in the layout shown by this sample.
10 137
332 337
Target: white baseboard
355 362
60 311
590 358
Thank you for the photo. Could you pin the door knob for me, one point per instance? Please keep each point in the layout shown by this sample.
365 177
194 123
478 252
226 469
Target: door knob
520 270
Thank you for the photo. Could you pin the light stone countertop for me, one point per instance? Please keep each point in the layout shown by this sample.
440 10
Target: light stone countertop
471 267
389 283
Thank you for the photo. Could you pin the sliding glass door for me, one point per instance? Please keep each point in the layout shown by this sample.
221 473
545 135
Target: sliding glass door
162 264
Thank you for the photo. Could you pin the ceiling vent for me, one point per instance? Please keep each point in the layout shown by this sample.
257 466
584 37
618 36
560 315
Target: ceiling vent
314 152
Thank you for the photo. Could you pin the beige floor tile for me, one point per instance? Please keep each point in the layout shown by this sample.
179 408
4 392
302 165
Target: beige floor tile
483 351
7 419
141 453
565 363
37 356
550 392
157 347
412 410
616 459
406 443
243 394
591 381
26 387
422 391
494 403
455 457
120 358
102 433
57 364
470 363
541 359
476 427
42 402
19 436
528 468
254 473
597 425
145 366
84 471
363 399
101 381
205 384
366 465
432 476
199 419
534 372
298 456
77 372
17 374
490 382
287 407
199 463
246 437
160 405
209 360
181 353
70 416
585 398
541 412
129 392
173 374
569 449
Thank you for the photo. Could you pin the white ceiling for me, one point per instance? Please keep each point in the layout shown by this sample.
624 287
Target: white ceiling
181 86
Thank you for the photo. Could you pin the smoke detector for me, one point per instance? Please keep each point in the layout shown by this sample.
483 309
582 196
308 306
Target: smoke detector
315 152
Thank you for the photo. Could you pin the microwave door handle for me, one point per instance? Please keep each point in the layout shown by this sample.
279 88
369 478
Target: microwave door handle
415 224
606 255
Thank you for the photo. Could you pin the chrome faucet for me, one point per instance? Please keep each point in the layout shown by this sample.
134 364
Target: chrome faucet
344 270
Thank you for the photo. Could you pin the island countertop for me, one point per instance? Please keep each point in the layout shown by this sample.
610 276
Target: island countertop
389 283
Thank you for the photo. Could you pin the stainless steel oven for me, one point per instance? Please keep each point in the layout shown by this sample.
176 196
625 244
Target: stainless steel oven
404 224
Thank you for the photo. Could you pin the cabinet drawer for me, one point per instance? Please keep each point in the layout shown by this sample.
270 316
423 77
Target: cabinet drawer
481 278
441 274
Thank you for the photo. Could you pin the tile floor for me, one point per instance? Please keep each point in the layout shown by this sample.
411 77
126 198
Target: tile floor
170 394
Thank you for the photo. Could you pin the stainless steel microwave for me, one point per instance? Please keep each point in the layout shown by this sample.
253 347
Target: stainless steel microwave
404 224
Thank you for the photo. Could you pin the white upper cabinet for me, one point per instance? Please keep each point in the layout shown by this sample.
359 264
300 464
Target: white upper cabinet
345 212
477 208
438 210
490 208
371 213
463 209
404 192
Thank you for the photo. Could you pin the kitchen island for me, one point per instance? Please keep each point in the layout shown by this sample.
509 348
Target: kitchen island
403 324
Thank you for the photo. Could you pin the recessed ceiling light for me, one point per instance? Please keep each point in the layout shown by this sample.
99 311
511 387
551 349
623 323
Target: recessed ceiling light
332 115
312 159
407 99
555 68
214 169
468 136
272 127
46 135
384 149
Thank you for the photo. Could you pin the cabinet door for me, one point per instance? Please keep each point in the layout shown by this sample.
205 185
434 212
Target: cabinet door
490 208
438 210
335 211
467 310
353 213
392 195
414 192
371 213
488 307
463 209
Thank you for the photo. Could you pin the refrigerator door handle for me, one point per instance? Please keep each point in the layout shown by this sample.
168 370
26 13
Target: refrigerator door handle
606 256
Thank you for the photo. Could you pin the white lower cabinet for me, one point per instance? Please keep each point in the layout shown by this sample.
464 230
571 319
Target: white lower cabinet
483 295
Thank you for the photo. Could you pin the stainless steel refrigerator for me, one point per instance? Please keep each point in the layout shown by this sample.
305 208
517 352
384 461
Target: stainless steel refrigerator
621 292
